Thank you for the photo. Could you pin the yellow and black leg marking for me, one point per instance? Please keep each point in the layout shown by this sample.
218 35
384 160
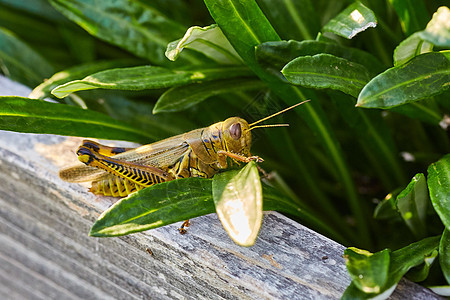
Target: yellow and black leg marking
141 175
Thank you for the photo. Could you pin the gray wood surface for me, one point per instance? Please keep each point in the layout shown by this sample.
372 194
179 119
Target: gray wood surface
46 253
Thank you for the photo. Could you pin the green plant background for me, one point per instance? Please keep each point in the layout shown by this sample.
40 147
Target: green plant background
340 169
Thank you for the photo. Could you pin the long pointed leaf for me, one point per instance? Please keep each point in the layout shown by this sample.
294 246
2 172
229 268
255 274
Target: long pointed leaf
36 116
424 76
327 71
74 73
156 206
147 77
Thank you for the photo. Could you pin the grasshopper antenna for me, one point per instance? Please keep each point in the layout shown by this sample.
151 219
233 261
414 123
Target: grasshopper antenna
269 125
275 114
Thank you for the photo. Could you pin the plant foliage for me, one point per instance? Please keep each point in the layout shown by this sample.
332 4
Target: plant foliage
376 73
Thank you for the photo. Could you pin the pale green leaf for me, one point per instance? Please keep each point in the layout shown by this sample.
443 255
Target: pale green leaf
209 41
238 199
351 21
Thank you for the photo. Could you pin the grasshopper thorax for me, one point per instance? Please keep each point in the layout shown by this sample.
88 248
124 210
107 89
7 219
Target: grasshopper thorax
237 137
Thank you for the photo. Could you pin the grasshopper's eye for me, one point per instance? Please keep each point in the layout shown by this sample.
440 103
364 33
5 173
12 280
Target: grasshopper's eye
235 131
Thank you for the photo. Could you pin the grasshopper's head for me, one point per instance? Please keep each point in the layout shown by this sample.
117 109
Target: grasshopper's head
237 136
236 131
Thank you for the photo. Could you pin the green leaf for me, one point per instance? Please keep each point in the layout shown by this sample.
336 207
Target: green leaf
444 254
420 273
36 116
292 19
439 186
404 259
424 76
239 203
327 71
131 25
401 261
209 41
412 204
273 56
147 77
78 72
438 29
156 206
183 97
412 14
369 271
351 21
411 47
16 57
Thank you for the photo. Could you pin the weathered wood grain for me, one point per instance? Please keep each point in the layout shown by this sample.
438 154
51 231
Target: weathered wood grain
46 253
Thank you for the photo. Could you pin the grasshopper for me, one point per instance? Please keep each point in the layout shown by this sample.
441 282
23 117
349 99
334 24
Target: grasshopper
203 152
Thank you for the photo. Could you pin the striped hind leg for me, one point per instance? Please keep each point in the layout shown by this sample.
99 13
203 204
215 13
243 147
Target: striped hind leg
139 174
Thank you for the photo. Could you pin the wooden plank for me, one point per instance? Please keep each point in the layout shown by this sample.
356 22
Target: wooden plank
44 245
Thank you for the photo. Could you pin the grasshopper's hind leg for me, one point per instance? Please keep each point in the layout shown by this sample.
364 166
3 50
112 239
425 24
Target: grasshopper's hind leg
141 175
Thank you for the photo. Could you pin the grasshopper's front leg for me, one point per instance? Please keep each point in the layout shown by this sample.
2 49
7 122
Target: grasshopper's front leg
239 157
139 174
